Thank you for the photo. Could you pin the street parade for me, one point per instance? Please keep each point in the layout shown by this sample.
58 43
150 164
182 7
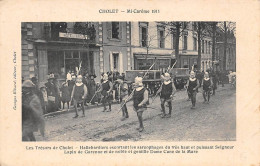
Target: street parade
46 99
80 91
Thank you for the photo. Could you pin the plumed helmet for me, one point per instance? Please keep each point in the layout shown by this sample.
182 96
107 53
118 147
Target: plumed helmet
167 76
192 73
28 84
79 76
139 81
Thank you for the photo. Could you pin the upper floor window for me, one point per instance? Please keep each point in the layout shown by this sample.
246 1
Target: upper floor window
194 43
115 30
206 42
209 46
202 44
174 37
185 44
143 31
161 38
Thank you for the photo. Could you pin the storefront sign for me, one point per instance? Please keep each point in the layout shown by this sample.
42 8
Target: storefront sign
72 35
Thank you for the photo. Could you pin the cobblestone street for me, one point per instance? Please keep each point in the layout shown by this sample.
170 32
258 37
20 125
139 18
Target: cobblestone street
213 121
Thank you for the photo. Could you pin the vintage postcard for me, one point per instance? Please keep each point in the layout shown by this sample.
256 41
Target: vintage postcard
130 83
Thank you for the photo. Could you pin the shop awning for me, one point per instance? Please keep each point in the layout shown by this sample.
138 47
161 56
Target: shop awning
153 56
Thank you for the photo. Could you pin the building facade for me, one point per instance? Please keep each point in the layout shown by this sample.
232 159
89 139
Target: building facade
230 54
99 47
94 47
150 40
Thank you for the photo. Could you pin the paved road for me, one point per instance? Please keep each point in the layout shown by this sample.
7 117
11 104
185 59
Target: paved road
214 121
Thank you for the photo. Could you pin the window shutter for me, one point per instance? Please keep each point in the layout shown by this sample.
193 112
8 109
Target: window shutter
111 61
140 35
109 30
120 63
120 29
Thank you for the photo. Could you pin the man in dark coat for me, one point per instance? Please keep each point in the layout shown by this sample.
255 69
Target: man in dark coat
92 89
52 94
37 91
32 113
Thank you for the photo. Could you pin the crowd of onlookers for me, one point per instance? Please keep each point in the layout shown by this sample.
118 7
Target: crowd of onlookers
55 95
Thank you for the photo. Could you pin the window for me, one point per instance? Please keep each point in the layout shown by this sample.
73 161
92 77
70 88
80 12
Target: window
209 46
143 36
194 43
115 61
174 41
206 42
115 30
161 38
202 43
185 46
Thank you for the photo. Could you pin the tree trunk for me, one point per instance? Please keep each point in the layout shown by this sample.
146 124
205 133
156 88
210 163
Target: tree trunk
225 46
199 47
214 26
177 36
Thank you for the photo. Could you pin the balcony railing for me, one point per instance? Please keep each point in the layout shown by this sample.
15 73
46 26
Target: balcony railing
56 31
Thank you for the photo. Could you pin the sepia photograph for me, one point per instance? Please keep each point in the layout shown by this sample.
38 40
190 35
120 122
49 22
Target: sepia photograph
128 81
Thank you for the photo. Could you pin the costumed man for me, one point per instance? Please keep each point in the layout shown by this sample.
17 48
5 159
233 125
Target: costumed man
123 94
106 89
167 90
32 113
192 88
206 84
140 100
79 93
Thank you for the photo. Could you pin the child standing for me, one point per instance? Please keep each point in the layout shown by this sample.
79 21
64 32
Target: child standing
123 94
206 83
193 85
65 94
140 100
167 91
106 89
79 93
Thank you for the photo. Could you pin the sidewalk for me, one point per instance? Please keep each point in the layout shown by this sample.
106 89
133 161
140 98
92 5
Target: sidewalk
71 109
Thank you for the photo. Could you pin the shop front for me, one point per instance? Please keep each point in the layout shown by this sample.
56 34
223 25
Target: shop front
61 59
144 62
187 61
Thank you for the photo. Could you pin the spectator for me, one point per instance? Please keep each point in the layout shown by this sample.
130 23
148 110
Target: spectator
32 119
65 94
52 94
92 89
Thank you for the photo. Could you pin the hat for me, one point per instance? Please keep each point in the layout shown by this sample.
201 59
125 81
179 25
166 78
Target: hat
51 76
93 75
34 79
139 81
28 84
